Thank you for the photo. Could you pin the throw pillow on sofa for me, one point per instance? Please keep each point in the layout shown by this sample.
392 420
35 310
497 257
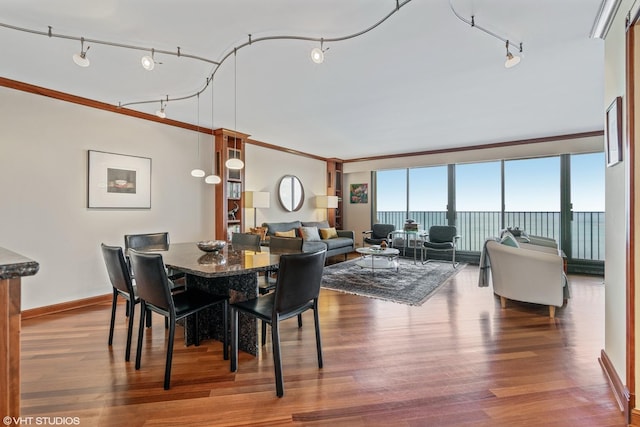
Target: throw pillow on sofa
290 233
310 234
509 240
328 233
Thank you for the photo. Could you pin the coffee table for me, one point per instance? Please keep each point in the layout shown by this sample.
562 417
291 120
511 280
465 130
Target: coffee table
377 258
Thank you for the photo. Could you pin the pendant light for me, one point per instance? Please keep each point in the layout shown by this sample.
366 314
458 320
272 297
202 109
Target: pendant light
235 163
214 178
512 60
197 172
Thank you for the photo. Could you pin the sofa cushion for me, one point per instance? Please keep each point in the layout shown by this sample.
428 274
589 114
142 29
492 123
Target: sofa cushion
290 233
338 242
309 234
319 224
272 227
328 233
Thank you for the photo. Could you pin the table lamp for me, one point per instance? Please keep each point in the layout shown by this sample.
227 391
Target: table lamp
255 200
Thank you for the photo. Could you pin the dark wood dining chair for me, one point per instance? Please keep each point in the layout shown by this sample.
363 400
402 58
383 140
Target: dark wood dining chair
155 295
123 286
297 290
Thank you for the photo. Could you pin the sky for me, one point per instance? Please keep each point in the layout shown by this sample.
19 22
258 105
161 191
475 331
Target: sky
531 185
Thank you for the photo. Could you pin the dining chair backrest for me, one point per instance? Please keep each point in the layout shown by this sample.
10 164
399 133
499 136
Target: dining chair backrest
245 240
149 241
117 268
285 244
151 279
299 279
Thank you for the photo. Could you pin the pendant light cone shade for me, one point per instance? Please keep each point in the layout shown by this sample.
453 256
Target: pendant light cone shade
197 173
512 60
317 55
234 163
213 179
147 63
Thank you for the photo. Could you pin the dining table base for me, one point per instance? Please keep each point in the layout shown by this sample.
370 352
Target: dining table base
240 287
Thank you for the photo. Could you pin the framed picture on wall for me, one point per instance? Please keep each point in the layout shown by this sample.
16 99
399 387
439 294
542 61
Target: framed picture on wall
359 193
118 181
613 132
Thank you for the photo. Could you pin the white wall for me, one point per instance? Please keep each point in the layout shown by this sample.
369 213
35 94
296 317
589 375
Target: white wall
264 169
615 216
43 176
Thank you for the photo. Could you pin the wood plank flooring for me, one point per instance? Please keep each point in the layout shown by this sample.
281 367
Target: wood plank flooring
458 360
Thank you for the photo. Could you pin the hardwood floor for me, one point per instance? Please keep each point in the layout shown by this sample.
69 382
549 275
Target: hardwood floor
458 360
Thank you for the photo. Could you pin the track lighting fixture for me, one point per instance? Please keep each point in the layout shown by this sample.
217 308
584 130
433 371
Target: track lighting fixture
148 62
81 58
317 53
160 113
512 60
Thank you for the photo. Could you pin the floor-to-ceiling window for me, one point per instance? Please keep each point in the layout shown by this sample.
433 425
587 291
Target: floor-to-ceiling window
478 203
561 197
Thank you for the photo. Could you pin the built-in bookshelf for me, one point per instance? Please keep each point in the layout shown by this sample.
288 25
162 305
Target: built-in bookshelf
334 188
229 203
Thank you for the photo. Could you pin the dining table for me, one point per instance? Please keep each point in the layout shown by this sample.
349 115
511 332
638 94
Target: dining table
232 271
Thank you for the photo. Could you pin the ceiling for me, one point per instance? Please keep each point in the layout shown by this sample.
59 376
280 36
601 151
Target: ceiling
421 80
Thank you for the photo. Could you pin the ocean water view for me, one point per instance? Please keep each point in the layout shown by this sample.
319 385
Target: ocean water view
587 228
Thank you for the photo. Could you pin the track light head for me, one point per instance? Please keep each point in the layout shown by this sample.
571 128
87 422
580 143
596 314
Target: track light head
81 58
317 55
160 113
147 63
512 60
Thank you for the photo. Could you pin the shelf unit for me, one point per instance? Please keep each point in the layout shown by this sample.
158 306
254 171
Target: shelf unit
334 188
229 200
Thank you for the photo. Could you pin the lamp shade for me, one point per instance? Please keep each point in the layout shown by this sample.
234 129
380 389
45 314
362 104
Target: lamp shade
256 199
327 202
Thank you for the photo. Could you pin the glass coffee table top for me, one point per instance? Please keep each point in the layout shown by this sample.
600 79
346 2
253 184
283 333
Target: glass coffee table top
377 258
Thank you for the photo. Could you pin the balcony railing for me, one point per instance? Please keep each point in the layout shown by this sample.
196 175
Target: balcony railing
587 228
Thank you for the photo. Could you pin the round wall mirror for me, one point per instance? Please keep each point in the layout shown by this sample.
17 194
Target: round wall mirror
290 193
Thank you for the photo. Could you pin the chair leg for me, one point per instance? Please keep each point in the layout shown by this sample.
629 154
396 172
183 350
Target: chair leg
167 368
143 314
234 340
114 303
127 352
264 332
277 360
148 318
127 309
316 320
300 320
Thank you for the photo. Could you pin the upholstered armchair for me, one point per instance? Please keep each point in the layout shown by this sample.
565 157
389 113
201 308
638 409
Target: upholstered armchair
378 234
527 273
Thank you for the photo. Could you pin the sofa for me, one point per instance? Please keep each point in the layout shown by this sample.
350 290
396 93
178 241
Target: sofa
525 272
342 243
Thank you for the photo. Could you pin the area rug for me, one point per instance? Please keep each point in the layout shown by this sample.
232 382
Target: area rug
413 284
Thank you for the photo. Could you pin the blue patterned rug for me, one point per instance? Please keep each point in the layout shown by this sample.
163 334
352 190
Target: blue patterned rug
413 284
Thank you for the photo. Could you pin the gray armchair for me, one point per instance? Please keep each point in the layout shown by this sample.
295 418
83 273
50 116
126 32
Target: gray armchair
379 233
441 238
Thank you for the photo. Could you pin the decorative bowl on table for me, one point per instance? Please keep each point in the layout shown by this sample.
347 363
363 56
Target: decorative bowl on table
211 245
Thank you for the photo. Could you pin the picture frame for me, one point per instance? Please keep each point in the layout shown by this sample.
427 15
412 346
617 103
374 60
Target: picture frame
613 132
359 193
118 181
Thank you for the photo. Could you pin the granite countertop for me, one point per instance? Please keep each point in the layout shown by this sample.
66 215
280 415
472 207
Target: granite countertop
14 265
